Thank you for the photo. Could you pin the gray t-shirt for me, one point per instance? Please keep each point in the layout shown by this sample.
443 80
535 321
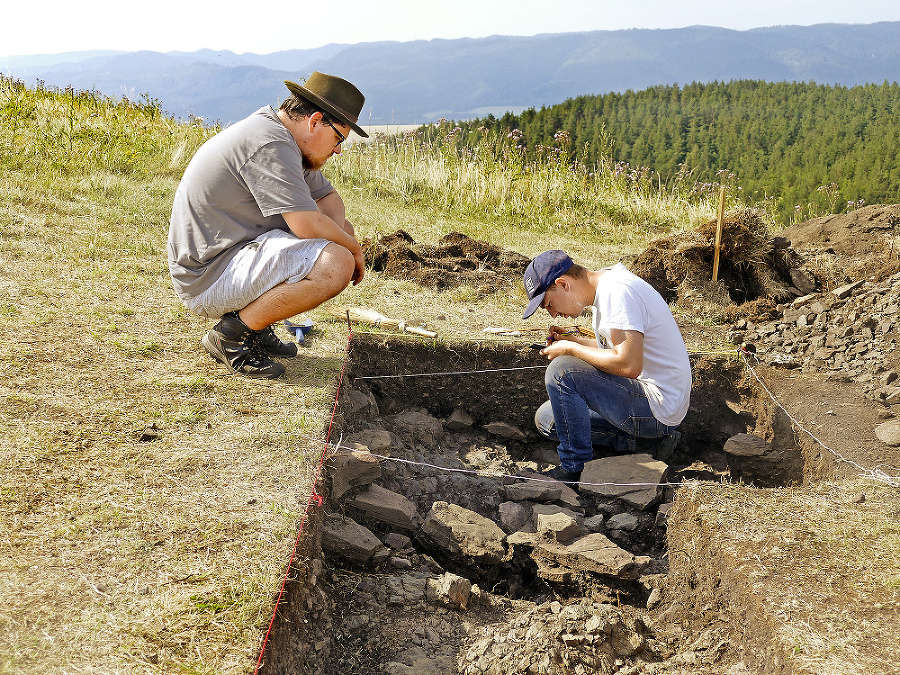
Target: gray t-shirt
235 188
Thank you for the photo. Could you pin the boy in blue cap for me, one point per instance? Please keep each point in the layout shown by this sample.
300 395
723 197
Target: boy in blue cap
632 381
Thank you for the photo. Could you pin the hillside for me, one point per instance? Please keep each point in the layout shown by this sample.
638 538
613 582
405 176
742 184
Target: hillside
804 147
422 81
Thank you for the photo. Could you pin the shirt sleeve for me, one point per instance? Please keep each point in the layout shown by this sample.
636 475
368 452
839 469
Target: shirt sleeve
621 307
276 179
319 186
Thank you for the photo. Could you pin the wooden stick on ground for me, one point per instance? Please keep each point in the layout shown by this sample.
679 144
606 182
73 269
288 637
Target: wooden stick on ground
375 318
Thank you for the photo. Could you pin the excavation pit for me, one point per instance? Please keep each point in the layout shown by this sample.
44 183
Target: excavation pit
432 543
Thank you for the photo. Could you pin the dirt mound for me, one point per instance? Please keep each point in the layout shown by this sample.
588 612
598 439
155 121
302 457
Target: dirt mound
754 266
864 242
456 260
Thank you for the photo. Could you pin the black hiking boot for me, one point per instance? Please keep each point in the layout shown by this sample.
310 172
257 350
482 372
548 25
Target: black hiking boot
232 343
271 345
568 478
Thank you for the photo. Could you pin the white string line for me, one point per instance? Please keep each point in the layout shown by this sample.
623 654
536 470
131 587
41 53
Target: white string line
486 474
872 474
472 372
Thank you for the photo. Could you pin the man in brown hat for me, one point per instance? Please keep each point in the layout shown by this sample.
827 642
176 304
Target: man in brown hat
257 233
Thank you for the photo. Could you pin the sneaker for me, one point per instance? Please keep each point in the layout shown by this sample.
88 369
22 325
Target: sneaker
663 448
569 478
271 345
232 343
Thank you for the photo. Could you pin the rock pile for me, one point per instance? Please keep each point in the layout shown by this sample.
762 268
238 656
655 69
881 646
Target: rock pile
483 527
584 637
851 333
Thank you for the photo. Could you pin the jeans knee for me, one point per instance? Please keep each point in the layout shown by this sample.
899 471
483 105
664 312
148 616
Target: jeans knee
544 421
559 367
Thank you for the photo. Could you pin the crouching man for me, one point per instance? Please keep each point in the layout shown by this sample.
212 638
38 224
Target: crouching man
633 381
257 233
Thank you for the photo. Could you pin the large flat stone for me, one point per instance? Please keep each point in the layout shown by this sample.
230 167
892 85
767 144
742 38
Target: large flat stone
592 553
461 531
632 478
533 491
383 505
352 468
347 538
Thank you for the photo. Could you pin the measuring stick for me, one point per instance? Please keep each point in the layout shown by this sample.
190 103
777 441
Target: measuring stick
719 233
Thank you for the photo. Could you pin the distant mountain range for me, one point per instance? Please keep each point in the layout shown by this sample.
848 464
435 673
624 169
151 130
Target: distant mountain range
423 81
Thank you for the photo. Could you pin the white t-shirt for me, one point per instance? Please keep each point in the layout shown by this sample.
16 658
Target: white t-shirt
627 302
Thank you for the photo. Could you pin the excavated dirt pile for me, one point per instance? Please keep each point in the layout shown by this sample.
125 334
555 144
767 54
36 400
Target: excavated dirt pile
454 261
752 263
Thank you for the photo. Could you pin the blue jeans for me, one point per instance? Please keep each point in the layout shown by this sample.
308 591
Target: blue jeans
588 407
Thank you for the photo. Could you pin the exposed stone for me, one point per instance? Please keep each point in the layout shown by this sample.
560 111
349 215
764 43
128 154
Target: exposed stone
662 515
397 541
400 563
567 495
889 432
352 468
514 515
533 490
505 430
558 527
383 505
376 440
380 556
461 531
632 478
622 521
846 290
362 403
746 445
803 280
592 553
419 427
538 510
459 420
595 522
449 589
347 538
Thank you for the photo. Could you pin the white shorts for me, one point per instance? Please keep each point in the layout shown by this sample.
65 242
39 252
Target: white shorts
274 257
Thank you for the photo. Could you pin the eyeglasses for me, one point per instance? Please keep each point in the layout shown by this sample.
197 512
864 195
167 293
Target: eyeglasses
340 135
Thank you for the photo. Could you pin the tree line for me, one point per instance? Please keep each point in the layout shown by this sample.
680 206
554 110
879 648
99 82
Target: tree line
804 147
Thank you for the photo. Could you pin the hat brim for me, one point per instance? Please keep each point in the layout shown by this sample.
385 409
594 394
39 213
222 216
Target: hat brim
534 305
320 102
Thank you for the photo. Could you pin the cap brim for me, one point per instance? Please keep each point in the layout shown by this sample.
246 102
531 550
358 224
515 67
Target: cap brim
320 102
533 305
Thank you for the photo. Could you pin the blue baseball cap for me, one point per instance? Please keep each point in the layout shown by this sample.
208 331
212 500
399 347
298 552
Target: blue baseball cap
540 275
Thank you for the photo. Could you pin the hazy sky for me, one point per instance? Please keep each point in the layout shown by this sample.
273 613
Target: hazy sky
53 26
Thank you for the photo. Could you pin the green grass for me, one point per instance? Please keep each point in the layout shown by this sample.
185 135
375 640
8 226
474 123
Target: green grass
501 197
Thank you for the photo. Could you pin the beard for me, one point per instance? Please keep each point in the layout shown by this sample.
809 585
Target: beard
311 164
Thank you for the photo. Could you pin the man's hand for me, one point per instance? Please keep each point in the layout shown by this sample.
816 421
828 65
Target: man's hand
557 333
556 348
360 271
625 357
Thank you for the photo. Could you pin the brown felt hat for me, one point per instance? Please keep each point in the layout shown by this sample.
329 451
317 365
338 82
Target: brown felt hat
333 95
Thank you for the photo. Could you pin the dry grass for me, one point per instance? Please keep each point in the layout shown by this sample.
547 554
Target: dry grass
149 503
822 565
